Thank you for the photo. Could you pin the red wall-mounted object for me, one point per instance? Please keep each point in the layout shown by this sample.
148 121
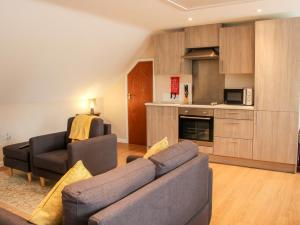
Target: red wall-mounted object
174 86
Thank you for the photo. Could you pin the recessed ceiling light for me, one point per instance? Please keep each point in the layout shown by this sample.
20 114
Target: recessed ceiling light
259 10
190 19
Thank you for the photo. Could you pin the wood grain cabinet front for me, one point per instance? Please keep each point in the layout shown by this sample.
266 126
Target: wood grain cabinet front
277 65
162 121
276 137
169 49
232 147
231 128
237 49
202 36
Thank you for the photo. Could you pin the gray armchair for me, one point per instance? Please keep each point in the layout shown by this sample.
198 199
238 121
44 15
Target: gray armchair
52 155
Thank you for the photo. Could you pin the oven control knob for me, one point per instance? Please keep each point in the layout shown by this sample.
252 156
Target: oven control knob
186 111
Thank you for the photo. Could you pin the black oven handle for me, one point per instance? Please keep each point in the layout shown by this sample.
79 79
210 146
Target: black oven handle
195 118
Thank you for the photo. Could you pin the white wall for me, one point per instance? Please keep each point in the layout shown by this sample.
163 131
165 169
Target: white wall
51 57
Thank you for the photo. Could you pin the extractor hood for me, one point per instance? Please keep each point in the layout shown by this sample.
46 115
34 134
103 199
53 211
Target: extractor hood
202 53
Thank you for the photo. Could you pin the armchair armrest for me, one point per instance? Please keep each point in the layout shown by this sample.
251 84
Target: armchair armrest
98 154
46 143
9 218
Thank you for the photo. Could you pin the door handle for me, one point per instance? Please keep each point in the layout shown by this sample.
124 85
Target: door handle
129 96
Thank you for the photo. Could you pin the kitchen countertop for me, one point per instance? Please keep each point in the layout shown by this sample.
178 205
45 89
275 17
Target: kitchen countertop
219 106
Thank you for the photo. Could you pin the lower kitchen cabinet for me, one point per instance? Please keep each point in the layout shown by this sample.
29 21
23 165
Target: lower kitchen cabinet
162 121
233 128
276 137
232 147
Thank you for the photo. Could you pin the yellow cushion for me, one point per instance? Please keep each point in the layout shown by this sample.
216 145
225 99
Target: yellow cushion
49 211
156 148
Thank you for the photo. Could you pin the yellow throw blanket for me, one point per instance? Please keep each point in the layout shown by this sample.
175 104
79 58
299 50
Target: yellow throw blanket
80 129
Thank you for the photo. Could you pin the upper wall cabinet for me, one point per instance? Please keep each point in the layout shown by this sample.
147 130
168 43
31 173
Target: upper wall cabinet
202 36
237 49
277 65
169 50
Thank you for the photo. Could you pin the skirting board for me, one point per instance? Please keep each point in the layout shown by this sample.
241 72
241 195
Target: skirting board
122 140
281 167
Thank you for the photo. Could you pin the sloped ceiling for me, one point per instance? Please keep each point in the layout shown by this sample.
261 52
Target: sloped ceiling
58 49
52 53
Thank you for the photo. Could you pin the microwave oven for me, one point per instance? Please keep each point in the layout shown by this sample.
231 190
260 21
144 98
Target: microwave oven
238 96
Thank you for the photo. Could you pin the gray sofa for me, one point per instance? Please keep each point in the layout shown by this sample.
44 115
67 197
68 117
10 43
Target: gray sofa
174 187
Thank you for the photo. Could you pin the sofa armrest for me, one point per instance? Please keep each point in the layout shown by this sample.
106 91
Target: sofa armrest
9 218
46 143
98 154
131 158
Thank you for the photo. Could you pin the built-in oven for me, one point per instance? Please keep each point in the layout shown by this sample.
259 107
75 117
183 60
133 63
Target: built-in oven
197 125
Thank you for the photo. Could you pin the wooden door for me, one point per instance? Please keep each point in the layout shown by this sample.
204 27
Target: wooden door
277 67
237 49
140 87
275 137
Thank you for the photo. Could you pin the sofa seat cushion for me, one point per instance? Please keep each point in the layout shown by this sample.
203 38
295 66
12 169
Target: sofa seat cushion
174 156
13 151
56 161
83 199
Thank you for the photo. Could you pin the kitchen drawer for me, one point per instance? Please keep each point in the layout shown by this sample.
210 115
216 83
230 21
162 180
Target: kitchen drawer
196 111
234 114
233 128
206 149
231 147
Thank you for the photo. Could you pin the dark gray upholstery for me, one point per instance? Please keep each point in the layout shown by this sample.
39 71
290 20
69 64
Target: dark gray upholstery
132 158
83 199
52 155
13 151
173 199
17 158
56 160
8 218
174 156
131 196
99 154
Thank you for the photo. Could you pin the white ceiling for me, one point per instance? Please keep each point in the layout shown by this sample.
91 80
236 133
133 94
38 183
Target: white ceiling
160 14
188 5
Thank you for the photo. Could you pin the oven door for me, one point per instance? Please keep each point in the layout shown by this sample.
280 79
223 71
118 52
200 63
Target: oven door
196 128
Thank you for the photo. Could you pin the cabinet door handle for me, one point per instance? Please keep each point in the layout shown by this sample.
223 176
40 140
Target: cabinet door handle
234 123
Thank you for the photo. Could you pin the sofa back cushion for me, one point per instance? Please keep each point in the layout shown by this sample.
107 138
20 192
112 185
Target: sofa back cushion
174 156
173 199
83 199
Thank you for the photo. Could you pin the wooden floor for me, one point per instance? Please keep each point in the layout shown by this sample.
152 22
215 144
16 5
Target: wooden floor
245 196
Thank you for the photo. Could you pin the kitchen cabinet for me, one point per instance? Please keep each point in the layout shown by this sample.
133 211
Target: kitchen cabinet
276 137
237 49
232 128
162 121
169 49
202 36
277 60
231 147
234 114
233 133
